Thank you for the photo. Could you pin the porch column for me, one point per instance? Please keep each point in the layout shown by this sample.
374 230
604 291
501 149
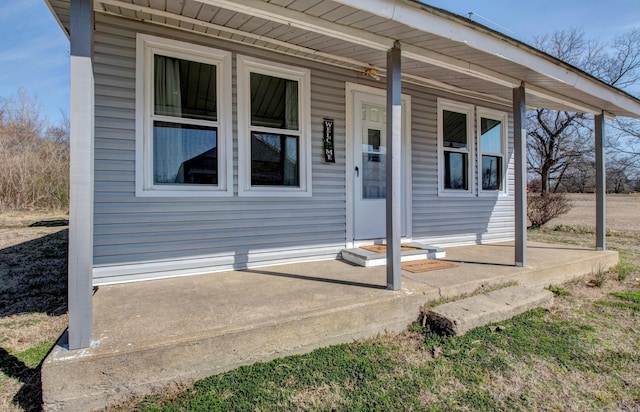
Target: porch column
81 175
601 182
394 169
520 154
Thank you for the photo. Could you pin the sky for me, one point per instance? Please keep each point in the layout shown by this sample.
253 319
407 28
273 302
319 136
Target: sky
34 52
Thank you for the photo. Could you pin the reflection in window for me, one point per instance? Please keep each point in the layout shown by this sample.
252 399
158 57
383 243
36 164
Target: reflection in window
185 122
184 153
454 129
274 156
274 160
491 148
455 171
184 89
274 102
491 135
455 149
491 172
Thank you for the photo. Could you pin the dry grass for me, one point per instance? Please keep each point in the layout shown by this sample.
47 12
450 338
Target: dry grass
622 212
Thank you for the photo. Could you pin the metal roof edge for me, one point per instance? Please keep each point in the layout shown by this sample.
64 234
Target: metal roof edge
55 16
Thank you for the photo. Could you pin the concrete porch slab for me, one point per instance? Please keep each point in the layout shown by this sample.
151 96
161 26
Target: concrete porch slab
154 333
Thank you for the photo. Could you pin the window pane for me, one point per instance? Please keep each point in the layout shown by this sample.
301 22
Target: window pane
455 170
375 141
184 153
184 88
374 176
491 135
274 160
454 129
274 102
491 173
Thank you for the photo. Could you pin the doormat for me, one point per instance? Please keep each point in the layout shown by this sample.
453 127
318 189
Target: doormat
426 265
383 248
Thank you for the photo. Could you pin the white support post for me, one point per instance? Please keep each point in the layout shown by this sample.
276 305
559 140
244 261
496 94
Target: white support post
81 175
601 183
394 167
520 153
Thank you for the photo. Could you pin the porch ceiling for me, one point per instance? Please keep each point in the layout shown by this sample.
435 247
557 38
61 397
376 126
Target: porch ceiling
439 49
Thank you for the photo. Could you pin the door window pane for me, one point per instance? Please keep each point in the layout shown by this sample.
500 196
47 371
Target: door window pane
184 88
455 170
184 153
374 141
274 102
374 180
454 129
491 135
274 160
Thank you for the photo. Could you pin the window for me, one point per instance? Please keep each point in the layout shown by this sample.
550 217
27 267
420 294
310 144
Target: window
491 150
455 148
456 155
182 119
274 126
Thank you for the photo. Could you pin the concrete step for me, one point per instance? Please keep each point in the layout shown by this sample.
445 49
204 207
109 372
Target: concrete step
367 258
459 317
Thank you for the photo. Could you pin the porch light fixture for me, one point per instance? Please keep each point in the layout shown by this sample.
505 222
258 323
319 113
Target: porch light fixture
371 72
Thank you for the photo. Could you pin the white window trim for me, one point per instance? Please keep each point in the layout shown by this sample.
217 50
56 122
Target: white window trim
245 66
146 47
504 118
467 109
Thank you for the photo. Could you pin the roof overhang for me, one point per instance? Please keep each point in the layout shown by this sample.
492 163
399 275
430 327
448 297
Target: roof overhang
439 49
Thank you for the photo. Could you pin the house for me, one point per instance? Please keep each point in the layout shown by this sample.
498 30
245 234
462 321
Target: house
209 135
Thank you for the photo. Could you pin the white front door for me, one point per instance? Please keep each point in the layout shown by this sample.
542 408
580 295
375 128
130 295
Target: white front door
369 174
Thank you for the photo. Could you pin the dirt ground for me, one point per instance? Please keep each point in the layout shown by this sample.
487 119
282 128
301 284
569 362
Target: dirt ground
622 211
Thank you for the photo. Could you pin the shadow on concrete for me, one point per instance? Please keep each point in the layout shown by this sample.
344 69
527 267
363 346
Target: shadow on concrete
508 265
316 279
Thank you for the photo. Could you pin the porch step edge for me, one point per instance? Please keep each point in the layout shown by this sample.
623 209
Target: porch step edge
367 258
459 317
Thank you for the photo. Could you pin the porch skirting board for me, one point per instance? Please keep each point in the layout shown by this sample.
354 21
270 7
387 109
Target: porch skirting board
135 272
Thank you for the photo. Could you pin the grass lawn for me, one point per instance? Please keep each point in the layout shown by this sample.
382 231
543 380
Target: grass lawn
582 354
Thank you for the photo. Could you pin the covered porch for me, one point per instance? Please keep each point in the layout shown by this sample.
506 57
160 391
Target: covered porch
406 42
156 333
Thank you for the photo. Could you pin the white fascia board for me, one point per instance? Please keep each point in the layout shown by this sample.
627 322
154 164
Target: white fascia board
408 13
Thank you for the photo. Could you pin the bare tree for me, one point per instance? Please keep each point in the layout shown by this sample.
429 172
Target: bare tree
555 140
558 139
34 156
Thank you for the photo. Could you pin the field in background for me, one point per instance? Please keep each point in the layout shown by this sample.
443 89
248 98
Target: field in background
623 212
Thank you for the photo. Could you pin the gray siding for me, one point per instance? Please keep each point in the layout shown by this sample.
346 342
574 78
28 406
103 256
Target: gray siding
216 233
138 238
447 220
